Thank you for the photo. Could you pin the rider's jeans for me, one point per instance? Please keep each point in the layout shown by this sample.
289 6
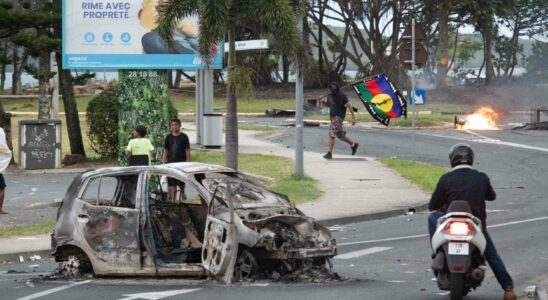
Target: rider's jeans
490 254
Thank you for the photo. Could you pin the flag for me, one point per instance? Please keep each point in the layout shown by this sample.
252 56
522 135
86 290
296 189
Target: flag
443 57
381 98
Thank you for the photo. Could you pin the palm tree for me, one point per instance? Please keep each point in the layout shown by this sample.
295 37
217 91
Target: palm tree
222 17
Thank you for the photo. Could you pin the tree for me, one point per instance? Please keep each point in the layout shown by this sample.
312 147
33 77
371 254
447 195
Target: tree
371 32
537 63
33 30
223 17
9 12
4 62
525 18
482 15
69 100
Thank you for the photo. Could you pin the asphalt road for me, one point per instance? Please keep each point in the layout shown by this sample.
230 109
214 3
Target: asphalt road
30 198
385 259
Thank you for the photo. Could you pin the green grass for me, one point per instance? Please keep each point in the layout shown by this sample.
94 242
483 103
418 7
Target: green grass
298 188
448 108
31 104
183 104
19 230
422 120
423 175
187 104
65 144
425 120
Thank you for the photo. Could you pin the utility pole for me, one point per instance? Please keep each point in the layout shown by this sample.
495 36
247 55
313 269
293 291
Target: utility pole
413 56
299 105
413 92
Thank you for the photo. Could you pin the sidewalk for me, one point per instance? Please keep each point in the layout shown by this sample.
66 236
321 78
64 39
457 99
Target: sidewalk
355 189
12 248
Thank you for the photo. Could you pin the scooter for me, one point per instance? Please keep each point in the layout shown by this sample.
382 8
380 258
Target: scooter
458 246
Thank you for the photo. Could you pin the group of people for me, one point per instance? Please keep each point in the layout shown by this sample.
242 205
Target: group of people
176 149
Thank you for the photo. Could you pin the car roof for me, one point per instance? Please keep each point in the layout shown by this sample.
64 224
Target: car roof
185 167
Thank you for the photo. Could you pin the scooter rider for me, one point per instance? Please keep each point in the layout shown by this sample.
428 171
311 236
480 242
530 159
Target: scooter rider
465 183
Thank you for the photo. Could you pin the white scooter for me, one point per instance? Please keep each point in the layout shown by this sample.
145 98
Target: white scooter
458 246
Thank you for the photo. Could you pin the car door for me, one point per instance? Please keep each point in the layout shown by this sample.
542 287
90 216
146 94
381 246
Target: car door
111 231
220 246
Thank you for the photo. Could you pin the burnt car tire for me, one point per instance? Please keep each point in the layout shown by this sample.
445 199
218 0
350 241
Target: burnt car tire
246 265
76 265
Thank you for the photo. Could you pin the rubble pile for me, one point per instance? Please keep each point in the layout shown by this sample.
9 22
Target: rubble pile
534 126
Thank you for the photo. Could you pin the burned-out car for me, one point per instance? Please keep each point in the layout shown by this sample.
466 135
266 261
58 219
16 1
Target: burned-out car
126 221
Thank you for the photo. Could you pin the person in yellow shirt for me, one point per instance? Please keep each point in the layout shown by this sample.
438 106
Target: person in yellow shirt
140 149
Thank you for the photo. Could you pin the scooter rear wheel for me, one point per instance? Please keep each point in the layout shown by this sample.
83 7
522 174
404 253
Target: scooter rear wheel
457 286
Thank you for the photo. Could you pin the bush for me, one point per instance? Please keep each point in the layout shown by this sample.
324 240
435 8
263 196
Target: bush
102 119
143 100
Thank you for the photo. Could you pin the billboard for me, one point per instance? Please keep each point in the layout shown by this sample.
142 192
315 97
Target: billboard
118 34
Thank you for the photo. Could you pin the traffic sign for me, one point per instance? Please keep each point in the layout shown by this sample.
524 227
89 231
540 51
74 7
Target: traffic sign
419 99
406 52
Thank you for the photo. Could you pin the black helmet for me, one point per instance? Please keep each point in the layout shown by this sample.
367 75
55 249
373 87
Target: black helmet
461 154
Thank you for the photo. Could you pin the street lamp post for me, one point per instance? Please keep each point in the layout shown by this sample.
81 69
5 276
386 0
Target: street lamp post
299 105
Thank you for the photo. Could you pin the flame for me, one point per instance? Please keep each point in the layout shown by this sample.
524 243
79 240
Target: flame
483 118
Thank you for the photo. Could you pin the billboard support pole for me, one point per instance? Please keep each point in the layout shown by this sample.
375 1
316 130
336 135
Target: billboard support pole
199 105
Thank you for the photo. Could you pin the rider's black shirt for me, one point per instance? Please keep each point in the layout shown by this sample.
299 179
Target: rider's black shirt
464 183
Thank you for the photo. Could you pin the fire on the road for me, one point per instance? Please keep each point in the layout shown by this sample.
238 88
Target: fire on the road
482 119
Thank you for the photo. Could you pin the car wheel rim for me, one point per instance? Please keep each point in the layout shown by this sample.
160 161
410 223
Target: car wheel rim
245 265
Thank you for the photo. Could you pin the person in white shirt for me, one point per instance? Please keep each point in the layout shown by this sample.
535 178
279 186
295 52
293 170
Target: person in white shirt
5 158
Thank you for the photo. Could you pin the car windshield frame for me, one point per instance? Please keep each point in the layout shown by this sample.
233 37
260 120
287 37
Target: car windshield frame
246 193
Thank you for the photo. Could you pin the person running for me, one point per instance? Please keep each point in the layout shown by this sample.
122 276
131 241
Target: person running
176 149
140 149
338 104
5 158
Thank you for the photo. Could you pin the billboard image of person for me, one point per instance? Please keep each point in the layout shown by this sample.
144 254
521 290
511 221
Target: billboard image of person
104 34
185 35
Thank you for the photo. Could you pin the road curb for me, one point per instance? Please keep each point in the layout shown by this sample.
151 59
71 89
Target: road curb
45 171
373 216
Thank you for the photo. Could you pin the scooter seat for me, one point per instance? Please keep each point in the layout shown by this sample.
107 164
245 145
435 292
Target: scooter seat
459 206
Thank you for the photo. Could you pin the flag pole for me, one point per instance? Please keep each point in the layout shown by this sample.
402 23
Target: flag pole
354 82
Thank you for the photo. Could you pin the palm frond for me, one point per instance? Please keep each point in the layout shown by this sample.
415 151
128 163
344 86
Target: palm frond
214 18
280 17
169 15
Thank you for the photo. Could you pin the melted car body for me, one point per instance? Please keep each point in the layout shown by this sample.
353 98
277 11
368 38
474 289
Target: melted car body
122 222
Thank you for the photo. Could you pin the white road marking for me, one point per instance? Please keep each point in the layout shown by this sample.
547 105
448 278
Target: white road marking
384 240
52 291
518 222
485 140
425 235
157 295
360 253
